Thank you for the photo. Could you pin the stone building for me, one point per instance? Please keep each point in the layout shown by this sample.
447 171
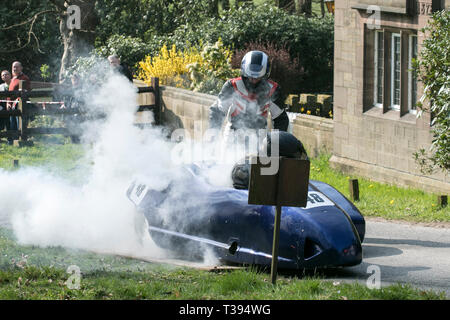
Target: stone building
376 130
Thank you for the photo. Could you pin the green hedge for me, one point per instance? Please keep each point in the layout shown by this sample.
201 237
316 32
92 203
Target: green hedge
310 40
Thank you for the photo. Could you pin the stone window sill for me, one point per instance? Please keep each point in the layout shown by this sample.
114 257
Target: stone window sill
382 8
393 115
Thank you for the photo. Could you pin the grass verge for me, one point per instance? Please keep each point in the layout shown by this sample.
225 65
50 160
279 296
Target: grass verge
189 284
28 272
382 200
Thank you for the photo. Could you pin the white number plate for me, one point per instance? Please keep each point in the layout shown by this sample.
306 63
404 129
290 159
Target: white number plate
317 199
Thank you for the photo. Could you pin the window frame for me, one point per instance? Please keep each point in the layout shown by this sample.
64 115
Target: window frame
387 68
393 80
377 53
412 80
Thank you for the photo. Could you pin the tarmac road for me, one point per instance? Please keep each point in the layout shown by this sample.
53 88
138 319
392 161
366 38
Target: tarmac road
402 253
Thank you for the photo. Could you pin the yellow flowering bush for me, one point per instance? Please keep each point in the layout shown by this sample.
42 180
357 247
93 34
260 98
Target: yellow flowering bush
205 69
170 66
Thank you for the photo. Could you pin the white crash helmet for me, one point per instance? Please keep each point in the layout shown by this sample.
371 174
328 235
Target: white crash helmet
255 64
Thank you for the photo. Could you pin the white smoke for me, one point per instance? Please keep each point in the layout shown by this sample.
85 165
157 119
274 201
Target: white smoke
47 210
44 209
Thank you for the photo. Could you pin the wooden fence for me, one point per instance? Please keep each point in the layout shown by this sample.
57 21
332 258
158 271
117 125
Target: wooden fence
25 109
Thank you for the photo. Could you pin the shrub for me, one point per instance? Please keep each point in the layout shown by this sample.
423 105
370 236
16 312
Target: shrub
45 72
308 39
170 66
84 66
203 69
130 50
433 69
209 75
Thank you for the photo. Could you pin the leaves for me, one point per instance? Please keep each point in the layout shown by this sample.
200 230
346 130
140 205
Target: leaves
204 69
308 39
44 46
433 69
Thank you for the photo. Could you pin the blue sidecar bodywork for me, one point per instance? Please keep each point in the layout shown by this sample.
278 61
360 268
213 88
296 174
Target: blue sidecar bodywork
191 215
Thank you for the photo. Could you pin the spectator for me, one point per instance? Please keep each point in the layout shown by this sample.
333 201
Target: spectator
6 77
18 76
122 68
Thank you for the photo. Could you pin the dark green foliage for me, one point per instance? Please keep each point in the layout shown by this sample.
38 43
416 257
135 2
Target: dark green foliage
308 39
147 18
133 28
433 69
130 50
47 49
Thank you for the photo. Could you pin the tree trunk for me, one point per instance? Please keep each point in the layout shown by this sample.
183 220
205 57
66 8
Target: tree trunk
225 4
303 6
214 7
322 8
77 42
238 3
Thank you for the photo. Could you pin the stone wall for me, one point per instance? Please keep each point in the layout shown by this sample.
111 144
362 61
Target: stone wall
316 133
190 110
311 104
185 109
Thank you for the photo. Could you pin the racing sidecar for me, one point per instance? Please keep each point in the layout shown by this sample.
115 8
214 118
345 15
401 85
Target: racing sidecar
191 216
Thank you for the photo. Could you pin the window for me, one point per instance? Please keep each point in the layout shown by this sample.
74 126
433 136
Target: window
379 53
412 78
389 82
395 71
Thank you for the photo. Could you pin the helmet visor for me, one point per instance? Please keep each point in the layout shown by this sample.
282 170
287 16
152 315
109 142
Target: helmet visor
256 71
254 65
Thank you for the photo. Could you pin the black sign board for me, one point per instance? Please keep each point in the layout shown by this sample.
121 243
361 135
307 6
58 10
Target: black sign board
278 181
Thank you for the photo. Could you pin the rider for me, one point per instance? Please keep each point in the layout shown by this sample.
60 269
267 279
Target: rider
249 98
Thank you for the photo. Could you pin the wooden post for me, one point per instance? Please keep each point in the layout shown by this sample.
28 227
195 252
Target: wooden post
15 163
157 110
276 226
20 117
442 201
275 245
354 189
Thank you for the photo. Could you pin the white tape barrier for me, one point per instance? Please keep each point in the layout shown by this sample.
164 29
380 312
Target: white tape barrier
43 103
9 101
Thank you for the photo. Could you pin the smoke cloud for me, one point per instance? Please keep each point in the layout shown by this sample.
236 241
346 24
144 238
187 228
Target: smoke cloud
44 209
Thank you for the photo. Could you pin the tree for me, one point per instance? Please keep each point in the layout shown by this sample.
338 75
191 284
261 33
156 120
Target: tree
27 30
50 22
433 69
296 6
25 40
303 6
77 40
